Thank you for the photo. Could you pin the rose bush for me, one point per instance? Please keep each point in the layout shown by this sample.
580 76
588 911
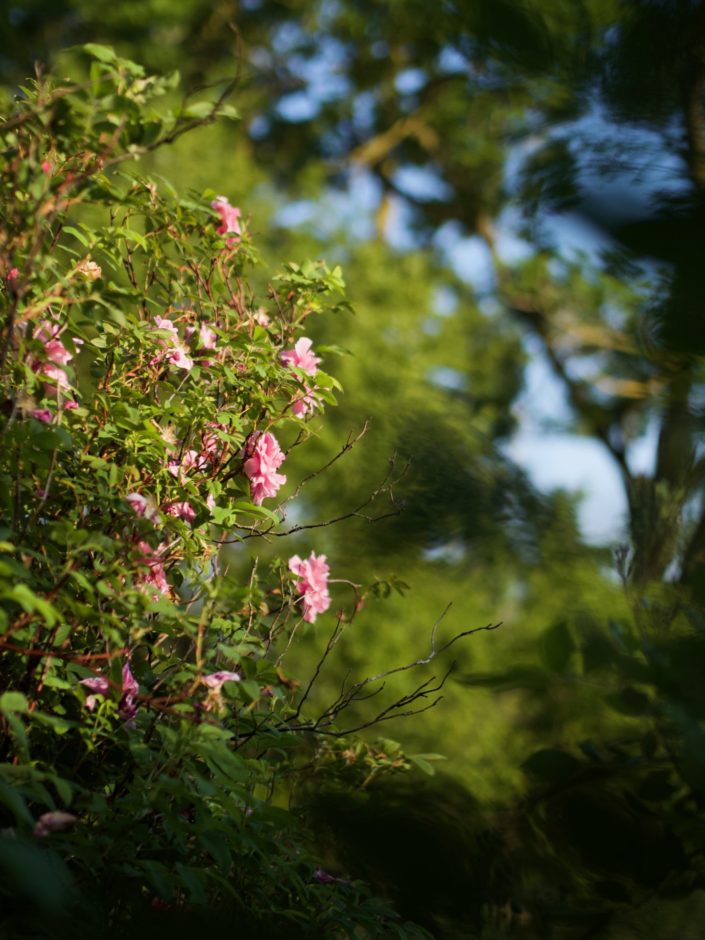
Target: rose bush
146 718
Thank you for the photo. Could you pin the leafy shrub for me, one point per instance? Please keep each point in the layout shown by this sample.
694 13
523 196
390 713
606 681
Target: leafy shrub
147 410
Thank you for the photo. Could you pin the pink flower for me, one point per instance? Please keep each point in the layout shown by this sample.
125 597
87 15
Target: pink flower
42 414
56 821
190 460
307 403
130 690
71 405
138 503
260 468
174 350
12 275
179 358
58 379
46 166
261 317
163 323
216 679
56 352
155 580
181 510
313 584
206 337
302 357
210 442
98 685
229 219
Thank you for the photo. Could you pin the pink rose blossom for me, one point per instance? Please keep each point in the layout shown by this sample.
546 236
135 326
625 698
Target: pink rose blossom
173 349
216 679
55 821
313 584
206 337
260 468
229 220
155 581
179 358
130 690
302 357
138 503
56 352
163 323
308 402
42 414
58 379
99 686
190 460
181 510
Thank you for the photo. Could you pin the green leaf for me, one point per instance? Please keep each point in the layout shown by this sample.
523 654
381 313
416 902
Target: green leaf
13 702
102 53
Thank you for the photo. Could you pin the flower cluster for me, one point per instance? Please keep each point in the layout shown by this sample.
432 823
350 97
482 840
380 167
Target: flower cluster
312 584
51 367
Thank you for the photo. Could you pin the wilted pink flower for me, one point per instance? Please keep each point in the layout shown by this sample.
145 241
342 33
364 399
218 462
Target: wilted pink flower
313 584
302 357
138 503
89 269
130 690
229 219
206 337
98 685
155 580
42 414
261 316
260 468
210 442
55 821
181 510
216 679
190 460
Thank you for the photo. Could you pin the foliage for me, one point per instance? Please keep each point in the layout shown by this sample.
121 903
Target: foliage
149 729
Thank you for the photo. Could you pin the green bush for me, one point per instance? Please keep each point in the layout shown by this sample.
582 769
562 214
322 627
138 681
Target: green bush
150 736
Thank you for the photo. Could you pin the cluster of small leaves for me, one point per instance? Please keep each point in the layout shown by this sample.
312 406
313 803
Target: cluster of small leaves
159 795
